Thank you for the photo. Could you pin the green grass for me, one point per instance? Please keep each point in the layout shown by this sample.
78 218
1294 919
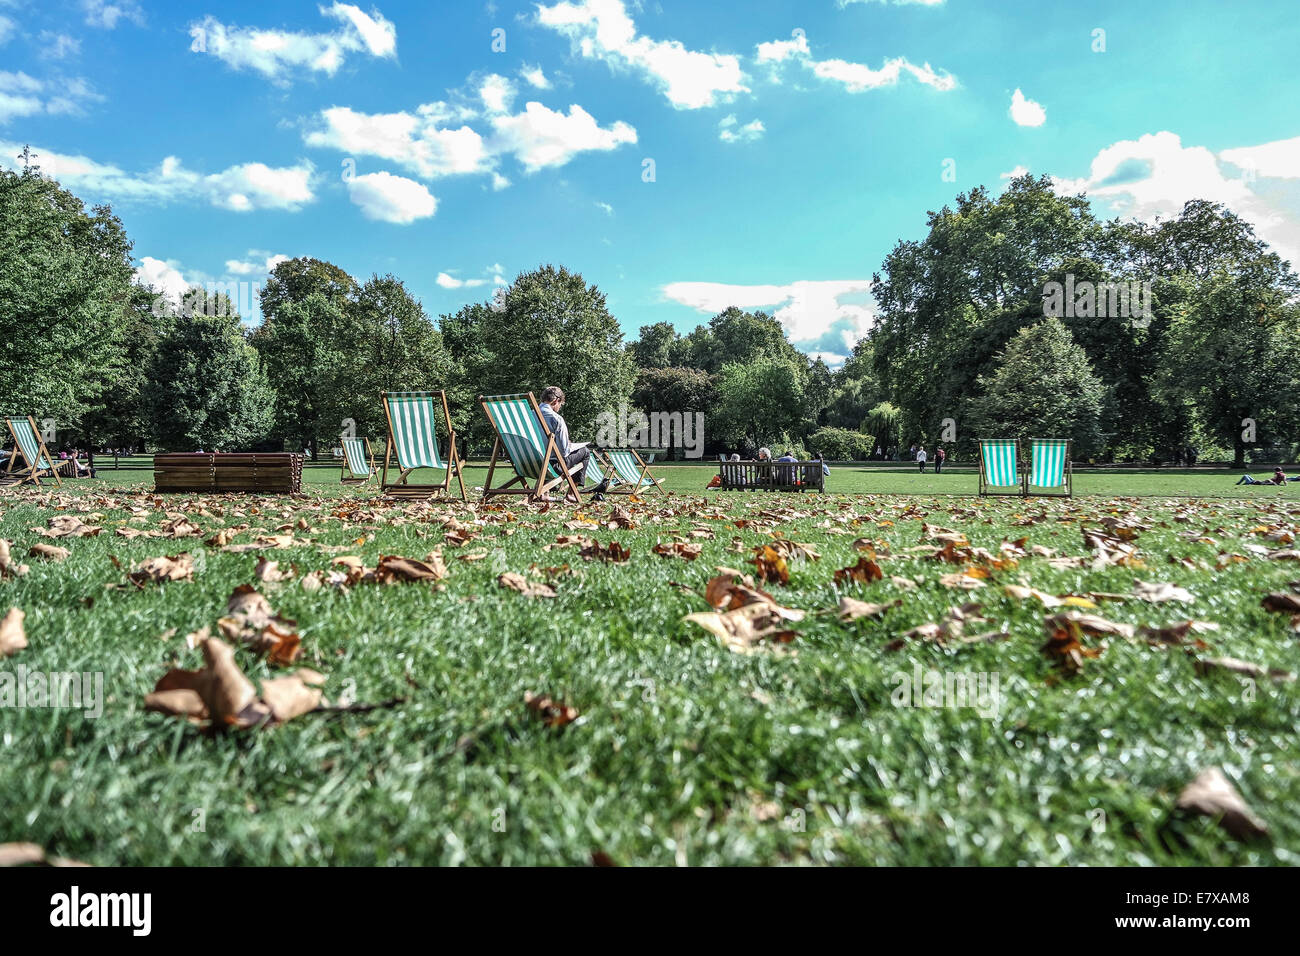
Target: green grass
685 752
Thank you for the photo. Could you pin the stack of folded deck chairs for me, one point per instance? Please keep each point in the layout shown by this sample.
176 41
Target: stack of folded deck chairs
270 473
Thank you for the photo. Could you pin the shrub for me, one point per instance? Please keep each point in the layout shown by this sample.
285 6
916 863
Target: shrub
841 444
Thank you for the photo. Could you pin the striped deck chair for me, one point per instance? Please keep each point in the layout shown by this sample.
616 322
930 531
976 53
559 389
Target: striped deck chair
1050 468
29 446
413 438
631 471
522 434
998 466
358 461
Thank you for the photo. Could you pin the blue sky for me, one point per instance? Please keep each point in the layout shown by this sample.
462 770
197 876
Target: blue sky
792 143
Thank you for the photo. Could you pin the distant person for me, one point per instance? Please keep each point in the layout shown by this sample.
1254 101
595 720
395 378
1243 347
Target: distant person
920 459
765 454
879 454
940 456
1279 478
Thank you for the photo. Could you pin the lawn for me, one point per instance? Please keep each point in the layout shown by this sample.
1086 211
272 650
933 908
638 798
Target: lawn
790 749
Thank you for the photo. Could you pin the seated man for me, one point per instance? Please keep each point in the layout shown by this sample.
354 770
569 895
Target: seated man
551 403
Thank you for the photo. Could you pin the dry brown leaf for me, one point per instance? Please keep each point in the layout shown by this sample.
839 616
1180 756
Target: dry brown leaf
170 568
552 713
12 637
392 568
851 609
1283 602
1235 665
1161 592
48 552
517 582
1211 794
743 628
269 572
771 565
8 568
252 621
612 552
865 571
290 696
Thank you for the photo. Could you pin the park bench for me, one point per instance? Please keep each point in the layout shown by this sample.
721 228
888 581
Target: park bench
772 476
271 473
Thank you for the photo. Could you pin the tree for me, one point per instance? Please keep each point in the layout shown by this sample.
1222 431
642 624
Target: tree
1042 385
295 279
1234 353
736 336
948 303
549 327
397 347
675 390
885 423
306 348
761 401
656 346
840 444
122 417
207 383
65 298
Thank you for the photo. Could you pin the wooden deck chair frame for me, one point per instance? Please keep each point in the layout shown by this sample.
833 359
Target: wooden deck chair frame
401 488
349 477
1067 470
32 471
552 469
1018 489
629 488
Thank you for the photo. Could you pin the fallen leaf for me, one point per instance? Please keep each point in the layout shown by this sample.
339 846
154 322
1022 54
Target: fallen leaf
517 582
12 637
851 609
552 713
49 552
1161 592
1211 794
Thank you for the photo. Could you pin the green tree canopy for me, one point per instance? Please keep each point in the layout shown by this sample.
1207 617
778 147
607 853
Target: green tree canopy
207 385
1041 386
65 299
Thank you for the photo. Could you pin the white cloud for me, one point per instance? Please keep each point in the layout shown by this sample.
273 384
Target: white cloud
23 95
1155 175
388 198
605 207
813 312
58 46
256 264
854 77
163 276
1278 160
105 14
1015 173
730 132
451 282
275 53
497 93
540 137
241 188
858 77
603 30
1025 111
416 142
7 29
535 78
778 51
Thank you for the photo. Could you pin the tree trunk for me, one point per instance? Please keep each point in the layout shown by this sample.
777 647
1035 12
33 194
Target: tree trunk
1239 453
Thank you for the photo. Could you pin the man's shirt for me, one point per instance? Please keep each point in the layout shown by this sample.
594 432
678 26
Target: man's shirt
558 428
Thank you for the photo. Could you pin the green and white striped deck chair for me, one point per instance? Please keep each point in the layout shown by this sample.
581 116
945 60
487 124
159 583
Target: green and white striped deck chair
29 446
413 438
358 461
632 472
522 434
1050 468
998 467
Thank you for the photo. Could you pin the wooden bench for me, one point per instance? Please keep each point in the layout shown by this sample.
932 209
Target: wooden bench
772 476
270 473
